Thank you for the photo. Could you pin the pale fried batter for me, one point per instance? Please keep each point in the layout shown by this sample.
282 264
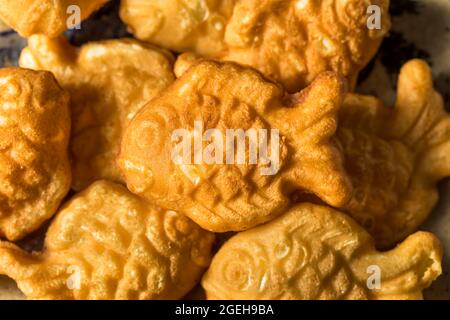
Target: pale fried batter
396 156
234 197
107 243
49 17
290 41
315 252
109 82
34 162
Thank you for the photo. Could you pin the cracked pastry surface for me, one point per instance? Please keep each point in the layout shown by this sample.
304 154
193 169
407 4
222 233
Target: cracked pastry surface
47 17
234 197
109 81
315 252
396 156
290 41
107 243
34 163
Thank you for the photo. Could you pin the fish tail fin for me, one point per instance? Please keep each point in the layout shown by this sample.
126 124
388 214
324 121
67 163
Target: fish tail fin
13 260
56 49
421 120
409 268
310 119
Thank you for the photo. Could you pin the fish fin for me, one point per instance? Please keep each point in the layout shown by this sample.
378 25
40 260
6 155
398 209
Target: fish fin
421 121
310 120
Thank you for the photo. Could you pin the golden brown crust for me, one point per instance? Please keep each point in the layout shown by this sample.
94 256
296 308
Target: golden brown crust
34 164
229 197
109 82
48 17
395 156
181 25
107 243
315 252
288 41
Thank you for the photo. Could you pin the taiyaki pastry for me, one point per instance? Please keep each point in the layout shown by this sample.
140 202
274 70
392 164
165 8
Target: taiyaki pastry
396 156
289 41
107 243
227 147
196 294
34 160
315 252
109 82
49 17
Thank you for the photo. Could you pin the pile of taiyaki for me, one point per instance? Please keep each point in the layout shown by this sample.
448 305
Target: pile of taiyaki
87 143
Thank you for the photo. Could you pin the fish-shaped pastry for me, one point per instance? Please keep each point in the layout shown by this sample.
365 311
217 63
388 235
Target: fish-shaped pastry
315 252
34 159
269 146
109 81
49 17
290 41
107 243
396 156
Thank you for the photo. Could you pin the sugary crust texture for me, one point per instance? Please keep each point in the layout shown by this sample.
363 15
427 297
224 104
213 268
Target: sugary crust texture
47 17
230 197
107 243
34 164
396 156
109 81
290 41
315 252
